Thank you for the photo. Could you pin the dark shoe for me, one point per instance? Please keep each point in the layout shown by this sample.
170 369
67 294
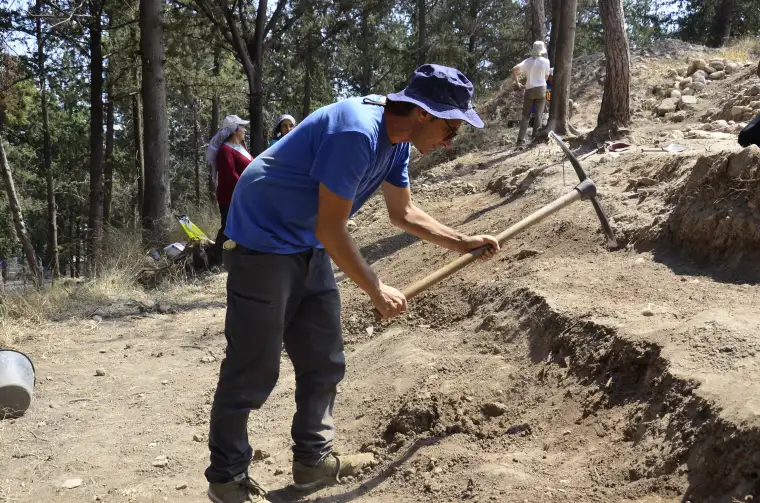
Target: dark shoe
241 489
330 470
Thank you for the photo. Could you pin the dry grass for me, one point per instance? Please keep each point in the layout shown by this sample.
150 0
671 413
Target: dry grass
742 49
114 293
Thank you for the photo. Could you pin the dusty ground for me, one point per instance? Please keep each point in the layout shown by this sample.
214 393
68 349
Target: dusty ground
558 371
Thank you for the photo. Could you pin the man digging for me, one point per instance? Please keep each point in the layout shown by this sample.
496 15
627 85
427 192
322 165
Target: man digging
286 221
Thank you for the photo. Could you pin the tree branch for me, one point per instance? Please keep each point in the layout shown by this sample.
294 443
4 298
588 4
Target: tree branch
275 17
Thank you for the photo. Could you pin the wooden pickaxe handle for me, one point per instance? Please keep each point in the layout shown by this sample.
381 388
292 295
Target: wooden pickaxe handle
585 190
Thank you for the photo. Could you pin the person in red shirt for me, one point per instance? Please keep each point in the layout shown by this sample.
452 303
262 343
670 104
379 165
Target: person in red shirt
228 158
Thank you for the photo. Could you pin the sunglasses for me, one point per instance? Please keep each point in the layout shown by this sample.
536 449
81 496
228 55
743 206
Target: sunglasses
452 132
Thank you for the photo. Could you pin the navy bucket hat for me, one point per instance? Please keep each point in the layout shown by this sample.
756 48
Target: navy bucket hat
442 91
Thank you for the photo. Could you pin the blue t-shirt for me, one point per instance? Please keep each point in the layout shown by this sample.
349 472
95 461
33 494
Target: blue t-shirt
344 146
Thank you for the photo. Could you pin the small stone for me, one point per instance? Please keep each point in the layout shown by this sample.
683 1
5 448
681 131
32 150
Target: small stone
100 372
164 308
370 330
675 94
260 455
667 106
351 226
648 311
437 470
48 378
54 406
181 486
96 318
208 359
527 253
164 382
645 181
685 83
678 116
687 102
689 92
717 75
278 472
493 409
71 483
640 261
726 349
710 70
199 437
103 351
160 461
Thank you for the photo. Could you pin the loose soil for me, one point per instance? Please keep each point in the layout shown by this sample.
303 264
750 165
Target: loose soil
557 371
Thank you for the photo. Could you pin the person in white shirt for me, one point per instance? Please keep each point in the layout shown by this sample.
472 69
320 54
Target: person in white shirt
536 67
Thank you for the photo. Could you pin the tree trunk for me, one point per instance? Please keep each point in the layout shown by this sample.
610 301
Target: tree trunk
538 21
563 68
554 33
365 45
472 40
139 159
307 86
254 70
52 230
70 244
616 109
196 150
215 105
421 32
15 207
78 249
721 27
156 202
108 174
95 220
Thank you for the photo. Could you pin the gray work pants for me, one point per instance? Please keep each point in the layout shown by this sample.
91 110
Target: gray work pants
273 299
533 96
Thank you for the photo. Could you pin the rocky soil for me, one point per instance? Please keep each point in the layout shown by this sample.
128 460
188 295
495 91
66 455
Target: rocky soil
558 371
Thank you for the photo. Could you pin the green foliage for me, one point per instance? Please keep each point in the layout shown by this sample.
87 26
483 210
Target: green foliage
329 51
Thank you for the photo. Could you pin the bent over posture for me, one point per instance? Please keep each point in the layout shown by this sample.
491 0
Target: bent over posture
287 219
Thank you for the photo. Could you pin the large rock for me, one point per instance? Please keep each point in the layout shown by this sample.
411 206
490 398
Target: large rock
666 106
738 111
698 86
678 116
696 64
732 68
675 94
688 92
718 75
699 75
685 83
719 125
718 64
754 90
687 102
754 105
710 70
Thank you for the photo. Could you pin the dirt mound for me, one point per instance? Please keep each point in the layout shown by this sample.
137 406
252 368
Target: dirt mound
715 217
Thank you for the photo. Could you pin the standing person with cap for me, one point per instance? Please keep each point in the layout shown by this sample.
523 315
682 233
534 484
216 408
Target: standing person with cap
284 125
536 67
228 158
287 220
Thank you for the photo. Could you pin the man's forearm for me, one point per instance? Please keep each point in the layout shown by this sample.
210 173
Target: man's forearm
342 249
415 221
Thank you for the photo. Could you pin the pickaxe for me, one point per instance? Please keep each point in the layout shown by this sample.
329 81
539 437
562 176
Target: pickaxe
584 191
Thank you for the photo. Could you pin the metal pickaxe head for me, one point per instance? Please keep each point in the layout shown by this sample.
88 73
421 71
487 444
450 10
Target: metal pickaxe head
606 228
